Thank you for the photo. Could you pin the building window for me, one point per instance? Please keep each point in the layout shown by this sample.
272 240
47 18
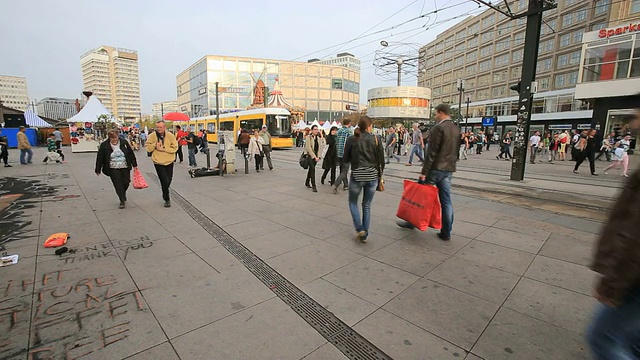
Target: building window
485 65
488 36
484 80
502 60
498 91
598 26
602 7
472 43
567 20
473 29
516 72
563 60
447 65
486 51
546 46
470 70
502 45
499 76
574 57
573 78
570 2
472 56
544 83
635 6
458 62
439 58
336 84
438 69
488 21
577 36
544 65
565 40
560 80
517 55
611 61
518 38
581 15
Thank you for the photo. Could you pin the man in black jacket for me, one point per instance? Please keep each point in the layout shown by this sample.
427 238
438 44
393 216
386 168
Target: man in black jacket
440 164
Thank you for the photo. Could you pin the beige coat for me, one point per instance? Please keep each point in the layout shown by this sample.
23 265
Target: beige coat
309 146
23 141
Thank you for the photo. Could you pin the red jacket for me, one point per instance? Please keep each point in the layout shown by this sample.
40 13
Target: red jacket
181 136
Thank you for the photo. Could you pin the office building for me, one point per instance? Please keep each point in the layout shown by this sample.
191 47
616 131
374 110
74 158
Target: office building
13 92
610 71
321 92
343 59
112 75
57 108
487 51
163 107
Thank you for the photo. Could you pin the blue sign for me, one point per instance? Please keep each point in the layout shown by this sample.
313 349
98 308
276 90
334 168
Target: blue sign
489 121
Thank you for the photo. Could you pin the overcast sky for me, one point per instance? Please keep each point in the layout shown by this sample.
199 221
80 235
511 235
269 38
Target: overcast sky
43 40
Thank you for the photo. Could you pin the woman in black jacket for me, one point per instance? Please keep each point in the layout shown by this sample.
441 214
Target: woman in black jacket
331 157
116 159
366 154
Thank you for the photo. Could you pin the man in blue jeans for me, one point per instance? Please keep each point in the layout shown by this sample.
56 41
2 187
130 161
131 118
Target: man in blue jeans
440 164
614 332
418 144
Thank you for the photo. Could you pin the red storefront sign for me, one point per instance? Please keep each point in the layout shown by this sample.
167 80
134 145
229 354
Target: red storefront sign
607 33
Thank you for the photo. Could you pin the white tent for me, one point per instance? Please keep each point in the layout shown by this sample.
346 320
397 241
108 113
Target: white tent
90 112
334 123
316 123
35 121
301 125
326 125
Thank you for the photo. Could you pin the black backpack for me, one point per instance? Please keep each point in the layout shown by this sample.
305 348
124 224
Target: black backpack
197 140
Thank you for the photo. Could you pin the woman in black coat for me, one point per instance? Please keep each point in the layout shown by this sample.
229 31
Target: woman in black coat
331 158
116 159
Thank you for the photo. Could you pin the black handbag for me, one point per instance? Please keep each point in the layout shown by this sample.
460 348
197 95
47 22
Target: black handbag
304 161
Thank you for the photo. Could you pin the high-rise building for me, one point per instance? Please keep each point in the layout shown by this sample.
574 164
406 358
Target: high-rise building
325 92
57 108
610 68
343 59
112 75
13 92
163 107
486 51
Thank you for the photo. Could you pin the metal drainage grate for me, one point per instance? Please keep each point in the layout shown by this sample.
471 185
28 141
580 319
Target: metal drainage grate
341 335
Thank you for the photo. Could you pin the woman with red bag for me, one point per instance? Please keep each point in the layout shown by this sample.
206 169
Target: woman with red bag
116 159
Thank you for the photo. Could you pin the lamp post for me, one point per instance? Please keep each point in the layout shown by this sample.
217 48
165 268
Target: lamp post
460 90
466 119
400 61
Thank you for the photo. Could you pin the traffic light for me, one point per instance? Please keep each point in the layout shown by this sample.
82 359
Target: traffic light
515 87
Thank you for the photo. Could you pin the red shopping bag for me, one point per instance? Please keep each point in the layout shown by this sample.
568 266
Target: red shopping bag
420 206
138 181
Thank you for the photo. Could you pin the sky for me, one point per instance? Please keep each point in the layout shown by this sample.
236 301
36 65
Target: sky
43 40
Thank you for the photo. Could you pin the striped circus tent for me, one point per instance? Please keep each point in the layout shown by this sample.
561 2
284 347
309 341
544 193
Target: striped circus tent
277 100
35 121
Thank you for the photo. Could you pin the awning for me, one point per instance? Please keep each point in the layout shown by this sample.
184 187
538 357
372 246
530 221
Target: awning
34 120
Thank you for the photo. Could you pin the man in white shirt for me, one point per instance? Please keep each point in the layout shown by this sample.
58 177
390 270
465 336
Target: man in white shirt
534 141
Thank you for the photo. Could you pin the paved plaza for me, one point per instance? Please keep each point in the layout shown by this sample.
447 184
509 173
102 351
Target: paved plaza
194 281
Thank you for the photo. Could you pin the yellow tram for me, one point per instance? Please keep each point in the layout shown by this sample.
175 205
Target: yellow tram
278 123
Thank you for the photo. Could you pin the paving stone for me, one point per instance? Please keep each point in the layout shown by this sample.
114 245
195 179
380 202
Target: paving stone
563 308
480 217
576 223
504 339
568 249
350 242
185 269
443 311
561 273
467 229
429 240
496 256
346 306
512 239
400 339
508 224
252 228
410 258
297 266
290 337
278 242
326 352
471 356
163 351
372 280
479 280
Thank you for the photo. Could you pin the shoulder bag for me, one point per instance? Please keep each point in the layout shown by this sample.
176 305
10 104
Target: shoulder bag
380 178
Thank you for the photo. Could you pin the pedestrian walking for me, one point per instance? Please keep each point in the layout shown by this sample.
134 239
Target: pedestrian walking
620 156
255 149
392 140
614 327
365 153
192 147
266 146
341 138
574 142
330 160
143 139
587 149
563 139
480 139
417 144
244 140
181 138
313 148
58 138
464 145
4 149
489 139
607 146
24 146
116 159
440 164
554 145
163 147
400 143
204 142
534 143
407 141
505 149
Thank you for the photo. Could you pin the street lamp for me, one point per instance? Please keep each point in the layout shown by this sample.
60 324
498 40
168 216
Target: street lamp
460 90
400 61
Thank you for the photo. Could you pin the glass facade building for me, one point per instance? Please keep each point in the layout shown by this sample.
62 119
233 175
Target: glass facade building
324 91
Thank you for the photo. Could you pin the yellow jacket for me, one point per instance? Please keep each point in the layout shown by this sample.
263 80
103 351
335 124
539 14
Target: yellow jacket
168 153
23 141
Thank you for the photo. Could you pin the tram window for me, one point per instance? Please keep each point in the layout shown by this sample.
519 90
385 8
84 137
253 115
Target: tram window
226 126
211 128
249 125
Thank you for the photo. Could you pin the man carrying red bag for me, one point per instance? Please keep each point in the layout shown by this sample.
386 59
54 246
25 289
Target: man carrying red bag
439 166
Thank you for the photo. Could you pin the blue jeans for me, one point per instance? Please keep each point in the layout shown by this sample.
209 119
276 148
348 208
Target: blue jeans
614 333
192 157
442 180
416 149
355 188
24 152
